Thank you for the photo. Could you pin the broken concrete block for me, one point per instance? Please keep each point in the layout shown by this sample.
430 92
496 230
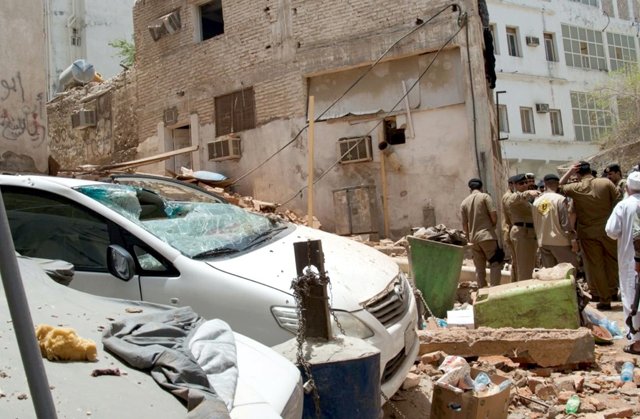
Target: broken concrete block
543 347
636 376
620 412
543 372
578 383
546 391
595 402
530 304
499 362
432 357
563 396
533 382
586 407
411 381
564 384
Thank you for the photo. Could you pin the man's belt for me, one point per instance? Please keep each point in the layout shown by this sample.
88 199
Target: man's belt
530 225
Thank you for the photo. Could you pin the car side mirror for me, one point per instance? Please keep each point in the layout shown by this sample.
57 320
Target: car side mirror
120 262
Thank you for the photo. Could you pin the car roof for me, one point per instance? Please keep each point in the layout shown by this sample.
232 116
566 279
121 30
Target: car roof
62 181
75 392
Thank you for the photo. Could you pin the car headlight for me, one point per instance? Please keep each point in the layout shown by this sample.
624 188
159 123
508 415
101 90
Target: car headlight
287 318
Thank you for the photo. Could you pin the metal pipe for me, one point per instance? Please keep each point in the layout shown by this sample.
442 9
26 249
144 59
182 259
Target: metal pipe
22 323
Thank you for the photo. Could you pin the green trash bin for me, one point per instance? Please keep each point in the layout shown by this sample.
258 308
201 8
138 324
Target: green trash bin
436 270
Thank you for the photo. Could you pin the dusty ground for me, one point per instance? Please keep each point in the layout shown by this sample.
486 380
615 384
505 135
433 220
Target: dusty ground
600 392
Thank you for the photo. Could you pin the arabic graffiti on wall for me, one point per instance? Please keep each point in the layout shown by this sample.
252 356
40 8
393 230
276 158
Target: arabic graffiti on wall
19 119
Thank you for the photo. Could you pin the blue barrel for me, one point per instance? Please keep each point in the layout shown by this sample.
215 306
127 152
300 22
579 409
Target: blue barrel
346 372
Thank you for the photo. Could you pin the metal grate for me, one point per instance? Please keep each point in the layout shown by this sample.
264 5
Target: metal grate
392 366
390 306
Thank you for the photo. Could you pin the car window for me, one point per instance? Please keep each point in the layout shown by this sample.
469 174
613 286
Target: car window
47 226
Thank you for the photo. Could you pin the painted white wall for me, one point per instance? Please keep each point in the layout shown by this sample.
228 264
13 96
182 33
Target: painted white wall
531 79
98 23
23 144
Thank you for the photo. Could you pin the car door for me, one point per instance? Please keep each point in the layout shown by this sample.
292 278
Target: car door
49 226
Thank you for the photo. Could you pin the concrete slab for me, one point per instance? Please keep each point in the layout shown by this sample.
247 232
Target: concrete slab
544 347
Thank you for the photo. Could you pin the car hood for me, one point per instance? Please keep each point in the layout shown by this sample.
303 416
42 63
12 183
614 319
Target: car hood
357 272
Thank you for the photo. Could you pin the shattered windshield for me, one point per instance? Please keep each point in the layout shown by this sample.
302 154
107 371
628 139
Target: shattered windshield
197 229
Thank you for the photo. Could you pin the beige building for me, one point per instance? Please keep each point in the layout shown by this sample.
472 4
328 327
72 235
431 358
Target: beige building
23 145
235 78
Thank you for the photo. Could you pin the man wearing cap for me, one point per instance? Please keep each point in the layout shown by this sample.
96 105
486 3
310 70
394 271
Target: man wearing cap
614 174
594 199
620 226
522 233
531 181
479 218
506 229
553 226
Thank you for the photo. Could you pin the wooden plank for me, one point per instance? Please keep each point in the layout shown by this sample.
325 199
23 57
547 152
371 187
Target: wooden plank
150 159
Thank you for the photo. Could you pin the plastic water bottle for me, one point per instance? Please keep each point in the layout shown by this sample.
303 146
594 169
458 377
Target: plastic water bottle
626 373
481 383
504 385
573 404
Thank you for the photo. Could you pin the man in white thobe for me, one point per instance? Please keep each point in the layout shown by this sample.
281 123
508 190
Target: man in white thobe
620 227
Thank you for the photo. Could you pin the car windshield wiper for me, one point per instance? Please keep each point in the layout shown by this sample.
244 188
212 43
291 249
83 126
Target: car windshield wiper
264 236
215 252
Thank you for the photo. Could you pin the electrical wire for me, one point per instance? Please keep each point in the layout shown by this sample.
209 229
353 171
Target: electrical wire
463 24
454 6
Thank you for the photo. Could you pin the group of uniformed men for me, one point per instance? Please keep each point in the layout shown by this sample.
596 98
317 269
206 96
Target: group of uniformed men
564 223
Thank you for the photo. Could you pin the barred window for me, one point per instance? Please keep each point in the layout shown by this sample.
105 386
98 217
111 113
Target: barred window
590 118
622 50
235 112
583 48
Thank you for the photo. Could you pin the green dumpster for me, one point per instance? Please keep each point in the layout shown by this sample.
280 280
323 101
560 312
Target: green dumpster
436 270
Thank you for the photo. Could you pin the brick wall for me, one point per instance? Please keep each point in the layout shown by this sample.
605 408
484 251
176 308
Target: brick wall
272 46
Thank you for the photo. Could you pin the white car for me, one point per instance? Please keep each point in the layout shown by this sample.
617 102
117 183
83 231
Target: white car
268 385
221 260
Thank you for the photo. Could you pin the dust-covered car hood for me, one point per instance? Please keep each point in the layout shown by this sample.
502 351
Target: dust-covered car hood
354 269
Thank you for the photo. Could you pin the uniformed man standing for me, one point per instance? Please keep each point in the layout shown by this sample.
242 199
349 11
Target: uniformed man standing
593 200
522 233
506 228
614 174
479 218
553 225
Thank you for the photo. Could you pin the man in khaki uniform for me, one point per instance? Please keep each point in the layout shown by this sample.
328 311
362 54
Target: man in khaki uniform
523 235
594 199
479 218
552 225
506 228
614 174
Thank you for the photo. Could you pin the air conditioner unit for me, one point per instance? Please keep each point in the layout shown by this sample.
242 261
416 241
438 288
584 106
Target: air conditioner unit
542 107
224 148
164 25
83 119
170 116
532 41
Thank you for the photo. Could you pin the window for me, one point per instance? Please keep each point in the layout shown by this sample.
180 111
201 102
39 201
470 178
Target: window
211 22
513 44
392 134
587 2
622 51
494 33
235 112
526 118
354 149
583 48
590 118
51 227
550 47
623 9
556 122
76 40
503 118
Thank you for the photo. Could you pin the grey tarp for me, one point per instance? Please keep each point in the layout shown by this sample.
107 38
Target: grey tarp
161 342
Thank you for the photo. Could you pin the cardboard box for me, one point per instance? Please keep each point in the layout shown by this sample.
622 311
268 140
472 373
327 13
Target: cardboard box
448 404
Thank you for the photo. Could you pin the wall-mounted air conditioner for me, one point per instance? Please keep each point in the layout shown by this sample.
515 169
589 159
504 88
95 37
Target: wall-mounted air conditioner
164 25
83 119
542 107
225 147
532 41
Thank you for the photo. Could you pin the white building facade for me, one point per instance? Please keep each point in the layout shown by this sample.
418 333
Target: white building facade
83 29
549 56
